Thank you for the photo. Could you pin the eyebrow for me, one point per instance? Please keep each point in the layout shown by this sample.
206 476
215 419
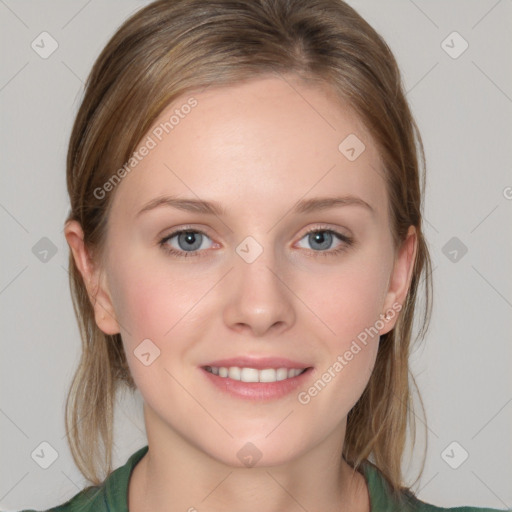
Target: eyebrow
214 208
323 203
189 205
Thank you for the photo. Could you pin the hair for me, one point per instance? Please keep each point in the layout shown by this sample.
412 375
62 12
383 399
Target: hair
172 47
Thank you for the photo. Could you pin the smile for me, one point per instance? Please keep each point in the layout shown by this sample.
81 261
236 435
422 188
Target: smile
255 375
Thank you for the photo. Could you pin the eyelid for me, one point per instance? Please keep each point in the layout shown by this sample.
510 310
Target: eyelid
326 227
343 233
344 239
162 242
176 231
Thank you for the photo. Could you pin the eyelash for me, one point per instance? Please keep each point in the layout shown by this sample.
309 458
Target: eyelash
347 242
180 254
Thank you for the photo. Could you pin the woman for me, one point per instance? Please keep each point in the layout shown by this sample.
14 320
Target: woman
246 250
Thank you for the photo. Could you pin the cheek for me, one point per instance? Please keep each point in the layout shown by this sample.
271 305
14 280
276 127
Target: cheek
138 303
150 305
348 303
152 302
350 306
349 299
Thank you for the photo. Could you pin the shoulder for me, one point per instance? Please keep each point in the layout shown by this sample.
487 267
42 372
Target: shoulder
110 496
382 498
87 500
414 504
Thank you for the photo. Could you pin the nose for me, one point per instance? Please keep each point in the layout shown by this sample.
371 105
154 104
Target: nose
259 300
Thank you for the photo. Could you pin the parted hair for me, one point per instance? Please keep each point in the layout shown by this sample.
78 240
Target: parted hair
171 47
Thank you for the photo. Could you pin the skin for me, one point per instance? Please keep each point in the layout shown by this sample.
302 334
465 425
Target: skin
255 148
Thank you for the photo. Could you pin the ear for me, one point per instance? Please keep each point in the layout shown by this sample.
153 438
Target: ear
94 279
400 280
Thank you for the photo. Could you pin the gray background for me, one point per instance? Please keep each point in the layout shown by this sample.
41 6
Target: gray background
463 106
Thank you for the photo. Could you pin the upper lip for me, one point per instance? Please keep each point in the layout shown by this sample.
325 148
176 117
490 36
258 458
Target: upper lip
258 363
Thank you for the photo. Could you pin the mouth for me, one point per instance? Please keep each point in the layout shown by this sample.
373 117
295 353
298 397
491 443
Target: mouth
255 378
247 374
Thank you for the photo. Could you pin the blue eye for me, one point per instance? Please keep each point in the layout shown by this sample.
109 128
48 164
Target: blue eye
190 242
187 240
324 239
321 240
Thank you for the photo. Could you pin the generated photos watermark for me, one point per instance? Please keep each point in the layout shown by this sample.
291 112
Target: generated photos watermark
342 360
150 143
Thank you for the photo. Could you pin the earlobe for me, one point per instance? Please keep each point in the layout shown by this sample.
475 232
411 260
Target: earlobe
93 278
400 279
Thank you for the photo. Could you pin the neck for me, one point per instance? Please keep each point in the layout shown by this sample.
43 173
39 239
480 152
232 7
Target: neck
176 475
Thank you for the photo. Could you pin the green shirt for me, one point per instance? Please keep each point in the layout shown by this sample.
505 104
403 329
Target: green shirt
112 495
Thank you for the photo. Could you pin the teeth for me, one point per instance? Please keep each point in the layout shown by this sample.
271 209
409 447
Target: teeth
254 375
248 375
282 374
235 373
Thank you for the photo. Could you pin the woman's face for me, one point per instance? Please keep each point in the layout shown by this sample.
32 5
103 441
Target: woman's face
247 171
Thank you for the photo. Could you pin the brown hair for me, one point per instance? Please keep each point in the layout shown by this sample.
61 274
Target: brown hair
172 47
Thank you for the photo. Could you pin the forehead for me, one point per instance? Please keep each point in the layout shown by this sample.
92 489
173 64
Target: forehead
266 141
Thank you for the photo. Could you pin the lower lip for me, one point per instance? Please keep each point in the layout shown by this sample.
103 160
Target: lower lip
261 391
